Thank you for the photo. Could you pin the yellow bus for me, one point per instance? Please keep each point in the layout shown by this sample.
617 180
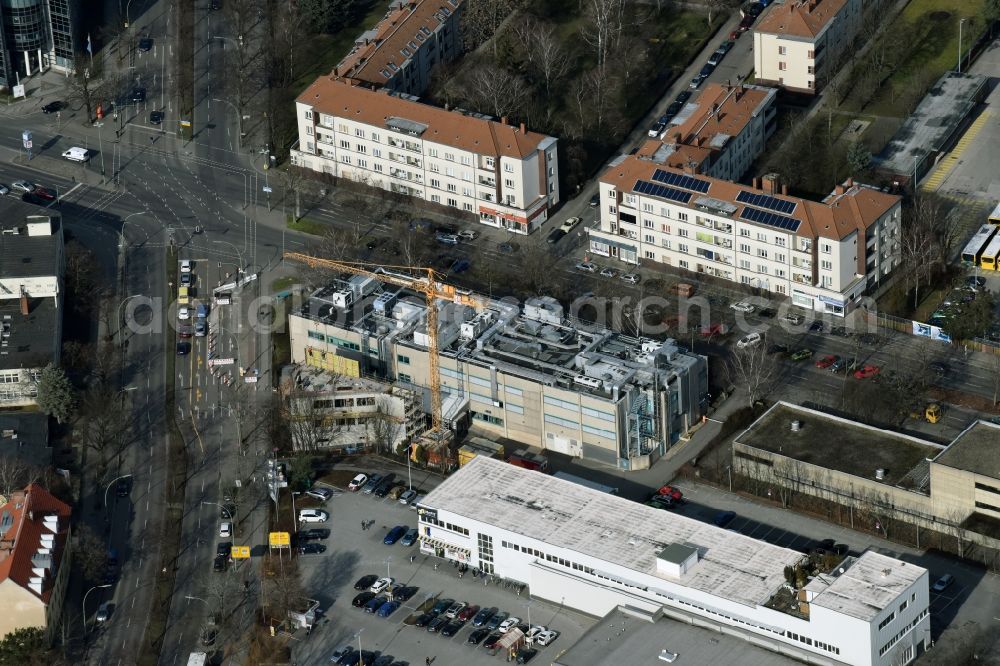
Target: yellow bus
973 251
995 215
990 260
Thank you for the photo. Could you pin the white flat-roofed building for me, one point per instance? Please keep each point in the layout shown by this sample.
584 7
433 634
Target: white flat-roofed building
505 175
821 255
595 552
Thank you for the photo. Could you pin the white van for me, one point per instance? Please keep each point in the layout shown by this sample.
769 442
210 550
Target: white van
76 155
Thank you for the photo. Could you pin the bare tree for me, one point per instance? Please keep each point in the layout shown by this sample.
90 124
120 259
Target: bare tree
16 473
481 19
543 51
497 91
754 369
384 426
600 32
90 552
714 6
310 422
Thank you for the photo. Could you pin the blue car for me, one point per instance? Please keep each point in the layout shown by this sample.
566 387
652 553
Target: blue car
394 535
388 608
376 603
410 537
723 518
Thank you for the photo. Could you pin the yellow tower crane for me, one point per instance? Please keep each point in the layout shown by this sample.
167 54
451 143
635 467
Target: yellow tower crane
429 284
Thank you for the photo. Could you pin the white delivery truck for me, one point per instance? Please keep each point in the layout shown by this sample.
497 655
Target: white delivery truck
76 155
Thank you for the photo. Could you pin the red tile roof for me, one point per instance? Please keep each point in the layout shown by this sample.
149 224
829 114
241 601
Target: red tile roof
340 98
26 509
800 18
401 25
849 208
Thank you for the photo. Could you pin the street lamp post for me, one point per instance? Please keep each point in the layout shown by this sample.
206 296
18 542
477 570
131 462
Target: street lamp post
358 636
239 255
124 476
961 22
239 121
84 604
121 235
295 516
229 515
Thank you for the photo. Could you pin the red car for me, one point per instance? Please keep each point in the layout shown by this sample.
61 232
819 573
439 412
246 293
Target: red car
467 613
827 361
670 492
866 372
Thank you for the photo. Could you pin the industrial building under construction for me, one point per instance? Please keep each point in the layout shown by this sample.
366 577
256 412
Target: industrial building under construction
523 372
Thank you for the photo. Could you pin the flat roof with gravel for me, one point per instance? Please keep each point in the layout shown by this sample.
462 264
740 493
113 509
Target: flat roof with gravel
975 450
837 443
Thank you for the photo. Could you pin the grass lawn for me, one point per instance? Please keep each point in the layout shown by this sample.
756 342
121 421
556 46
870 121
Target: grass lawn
305 225
933 27
282 283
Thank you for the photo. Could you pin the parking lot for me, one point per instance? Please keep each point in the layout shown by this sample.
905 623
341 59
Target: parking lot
353 552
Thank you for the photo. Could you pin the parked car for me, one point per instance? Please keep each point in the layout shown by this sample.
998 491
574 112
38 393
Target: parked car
816 327
826 361
706 70
318 535
586 267
743 306
595 200
145 44
524 655
866 372
723 518
410 537
311 549
313 516
497 619
455 609
608 272
801 354
838 365
451 628
483 616
381 584
655 130
441 606
320 493
155 117
943 583
546 637
361 599
425 619
671 492
403 593
467 613
4 190
407 496
477 636
447 239
749 340
792 319
555 236
720 53
23 186
631 278
384 485
695 82
186 265
388 608
766 313
375 603
437 624
508 624
492 640
357 482
394 535
225 530
533 631
570 222
103 612
53 107
371 484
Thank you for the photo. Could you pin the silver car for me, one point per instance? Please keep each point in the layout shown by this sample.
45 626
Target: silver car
587 267
4 190
23 186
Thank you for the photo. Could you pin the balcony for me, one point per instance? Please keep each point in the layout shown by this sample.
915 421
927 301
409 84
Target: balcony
801 279
628 234
488 182
403 189
804 264
405 145
405 175
404 159
723 227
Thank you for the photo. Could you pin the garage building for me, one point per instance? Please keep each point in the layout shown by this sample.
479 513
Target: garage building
596 552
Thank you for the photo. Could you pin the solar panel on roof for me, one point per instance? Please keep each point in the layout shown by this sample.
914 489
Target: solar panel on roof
765 201
770 219
680 180
654 190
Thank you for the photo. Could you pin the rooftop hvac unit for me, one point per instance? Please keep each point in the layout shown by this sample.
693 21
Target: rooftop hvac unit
589 382
796 425
384 303
342 299
880 474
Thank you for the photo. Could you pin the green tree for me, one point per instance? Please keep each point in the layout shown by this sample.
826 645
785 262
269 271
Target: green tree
55 393
858 158
974 319
25 646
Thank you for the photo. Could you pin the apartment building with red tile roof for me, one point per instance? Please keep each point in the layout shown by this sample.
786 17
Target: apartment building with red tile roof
400 52
822 255
797 45
504 174
34 560
719 134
